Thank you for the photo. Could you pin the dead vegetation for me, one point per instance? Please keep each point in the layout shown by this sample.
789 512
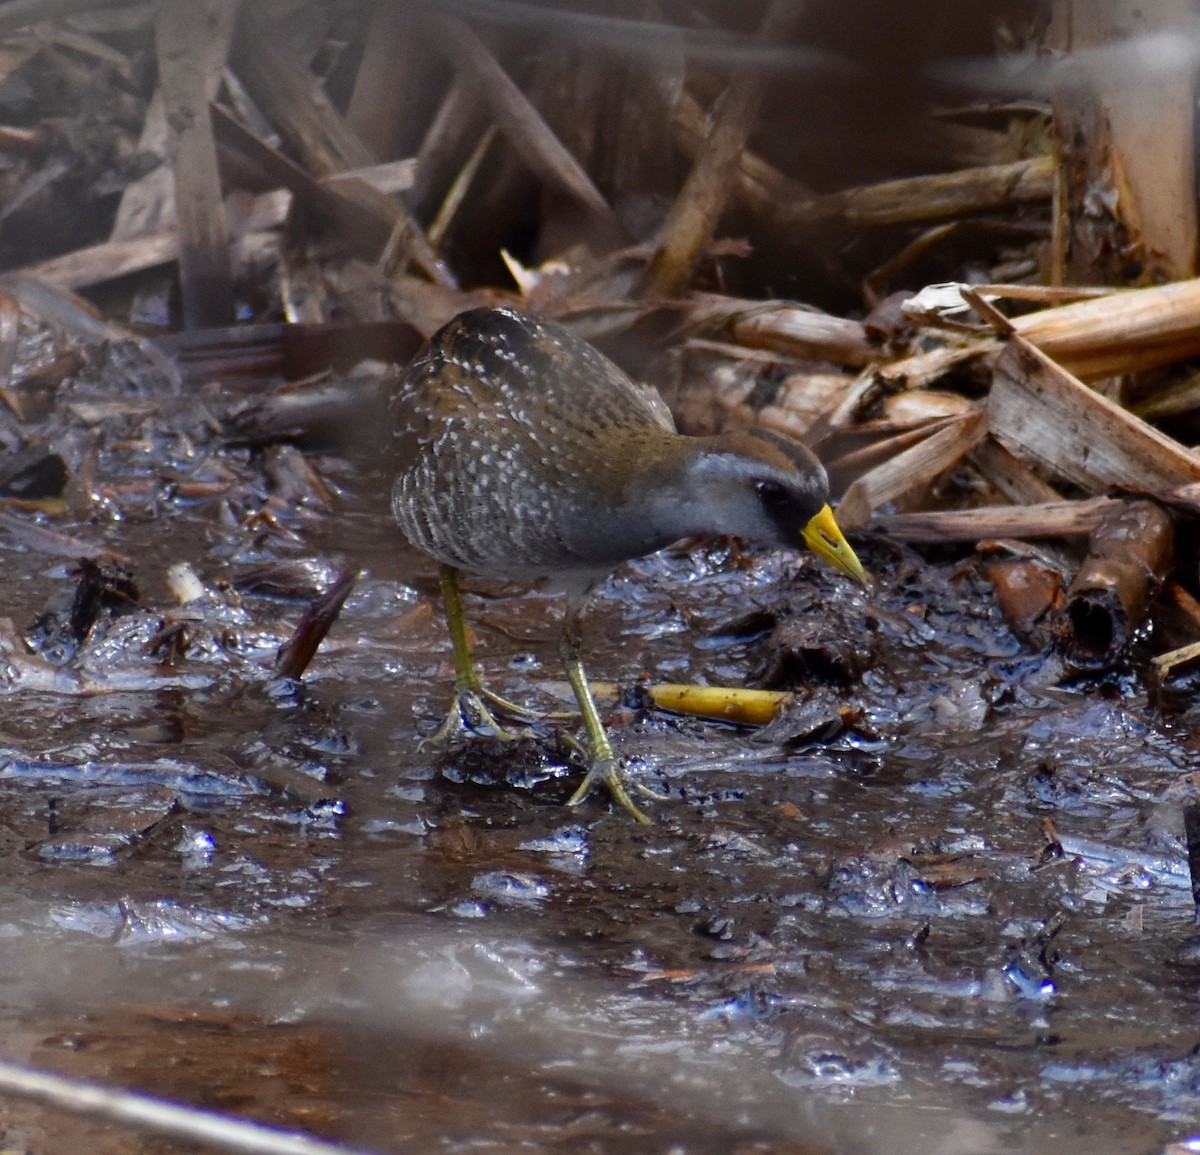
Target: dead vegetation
953 249
1003 350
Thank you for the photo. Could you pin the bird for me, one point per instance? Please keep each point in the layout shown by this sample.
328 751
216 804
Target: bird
522 452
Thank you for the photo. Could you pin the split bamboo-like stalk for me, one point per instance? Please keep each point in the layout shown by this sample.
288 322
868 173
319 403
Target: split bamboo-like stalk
1123 332
447 142
361 222
377 106
760 186
96 264
1039 411
853 465
1009 475
790 205
937 197
148 204
1129 556
1130 193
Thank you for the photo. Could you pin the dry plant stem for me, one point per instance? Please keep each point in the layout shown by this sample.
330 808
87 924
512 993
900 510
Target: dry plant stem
96 264
32 536
784 327
328 200
910 470
1122 332
925 368
205 262
788 204
147 204
390 177
843 412
1060 225
1046 294
10 334
850 467
693 217
449 207
293 100
1027 522
926 198
1130 193
1170 401
760 186
516 116
875 283
290 95
377 105
1166 664
1129 556
458 120
1009 475
17 14
1042 413
156 1116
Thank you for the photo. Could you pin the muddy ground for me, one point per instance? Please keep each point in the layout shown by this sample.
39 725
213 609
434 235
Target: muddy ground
942 903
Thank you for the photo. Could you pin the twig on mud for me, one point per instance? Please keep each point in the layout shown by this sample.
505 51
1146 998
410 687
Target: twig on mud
298 650
156 1116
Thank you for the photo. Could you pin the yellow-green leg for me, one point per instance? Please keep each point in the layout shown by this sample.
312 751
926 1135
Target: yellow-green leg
469 713
603 766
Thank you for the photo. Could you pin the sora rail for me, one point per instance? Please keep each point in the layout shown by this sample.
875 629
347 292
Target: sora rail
525 453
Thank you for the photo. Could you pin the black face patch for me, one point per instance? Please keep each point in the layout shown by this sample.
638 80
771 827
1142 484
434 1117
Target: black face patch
788 506
771 492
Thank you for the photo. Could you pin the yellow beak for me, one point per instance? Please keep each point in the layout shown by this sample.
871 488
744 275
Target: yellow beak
823 537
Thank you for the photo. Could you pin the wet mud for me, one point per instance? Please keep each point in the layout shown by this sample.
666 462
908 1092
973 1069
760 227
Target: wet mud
941 901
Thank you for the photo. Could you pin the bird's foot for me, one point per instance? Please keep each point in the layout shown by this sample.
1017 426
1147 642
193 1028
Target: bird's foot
608 772
522 714
469 717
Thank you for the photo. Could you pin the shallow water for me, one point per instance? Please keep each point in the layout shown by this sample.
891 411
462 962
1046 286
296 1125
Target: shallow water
848 932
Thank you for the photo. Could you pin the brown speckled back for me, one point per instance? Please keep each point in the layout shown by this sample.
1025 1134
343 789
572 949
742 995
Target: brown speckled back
515 442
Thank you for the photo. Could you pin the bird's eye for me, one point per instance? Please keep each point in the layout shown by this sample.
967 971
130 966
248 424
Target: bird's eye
771 492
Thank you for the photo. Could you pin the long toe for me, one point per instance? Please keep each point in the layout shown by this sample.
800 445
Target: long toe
607 772
507 709
469 717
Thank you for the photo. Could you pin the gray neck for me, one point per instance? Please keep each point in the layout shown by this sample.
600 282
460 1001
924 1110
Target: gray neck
713 493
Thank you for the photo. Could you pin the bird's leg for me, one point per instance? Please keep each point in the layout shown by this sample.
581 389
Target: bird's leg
469 714
603 767
465 674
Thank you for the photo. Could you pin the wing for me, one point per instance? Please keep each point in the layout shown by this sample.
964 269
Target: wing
523 369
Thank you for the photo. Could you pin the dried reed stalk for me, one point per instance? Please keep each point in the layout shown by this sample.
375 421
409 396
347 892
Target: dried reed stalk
205 260
1042 413
694 213
1129 556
